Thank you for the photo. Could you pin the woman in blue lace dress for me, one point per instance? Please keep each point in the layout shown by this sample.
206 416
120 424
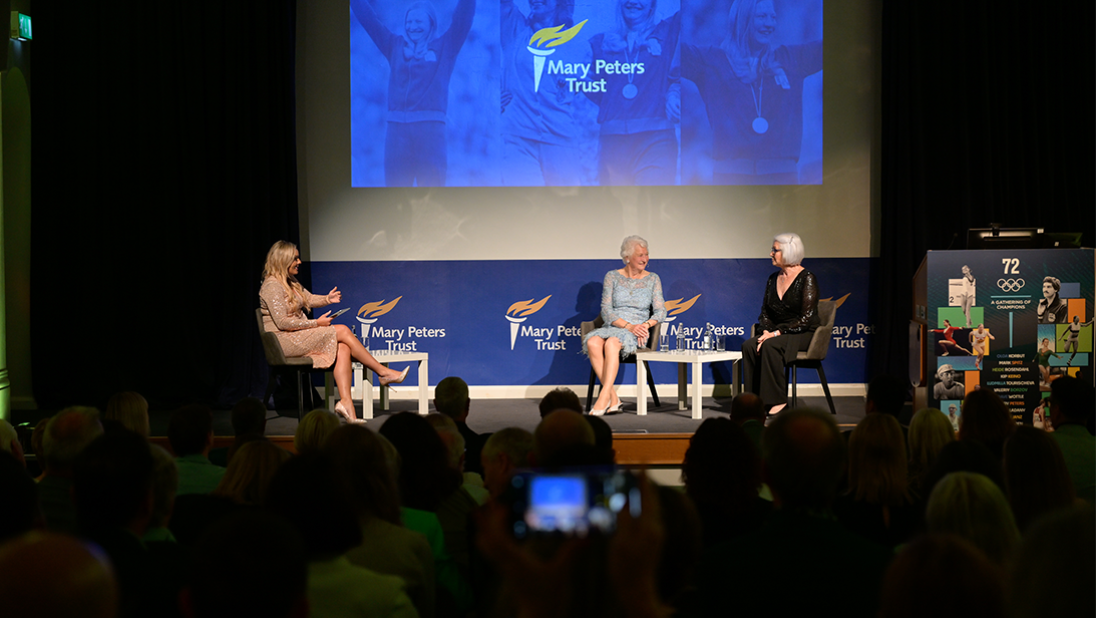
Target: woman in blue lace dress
631 303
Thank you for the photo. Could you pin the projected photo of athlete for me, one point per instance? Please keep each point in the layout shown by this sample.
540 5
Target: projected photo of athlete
1042 358
752 88
966 296
1052 309
641 102
948 343
541 133
1074 334
978 346
421 62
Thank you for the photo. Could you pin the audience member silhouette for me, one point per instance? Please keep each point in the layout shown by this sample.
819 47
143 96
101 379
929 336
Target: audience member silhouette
930 431
1071 411
190 432
987 420
56 575
67 435
561 398
313 430
972 506
942 576
451 399
1035 476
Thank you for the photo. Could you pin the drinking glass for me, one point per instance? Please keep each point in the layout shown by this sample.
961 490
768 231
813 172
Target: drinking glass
663 342
721 342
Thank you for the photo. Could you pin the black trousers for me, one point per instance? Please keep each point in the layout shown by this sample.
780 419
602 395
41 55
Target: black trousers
765 375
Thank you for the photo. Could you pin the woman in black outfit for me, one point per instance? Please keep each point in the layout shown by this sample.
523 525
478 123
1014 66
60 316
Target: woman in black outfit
789 316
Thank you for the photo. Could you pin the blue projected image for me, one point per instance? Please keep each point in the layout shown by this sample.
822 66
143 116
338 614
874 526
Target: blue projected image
585 92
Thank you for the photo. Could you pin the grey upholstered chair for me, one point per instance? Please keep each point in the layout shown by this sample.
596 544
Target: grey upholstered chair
816 352
652 344
280 363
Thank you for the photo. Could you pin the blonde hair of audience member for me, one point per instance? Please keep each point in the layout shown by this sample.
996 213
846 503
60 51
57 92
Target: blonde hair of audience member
877 462
281 256
1036 476
365 456
313 429
50 574
68 434
131 410
450 436
930 430
972 506
248 475
165 484
504 452
913 588
9 439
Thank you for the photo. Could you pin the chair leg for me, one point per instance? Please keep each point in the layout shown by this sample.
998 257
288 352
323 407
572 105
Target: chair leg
826 388
300 396
795 380
590 391
271 382
651 383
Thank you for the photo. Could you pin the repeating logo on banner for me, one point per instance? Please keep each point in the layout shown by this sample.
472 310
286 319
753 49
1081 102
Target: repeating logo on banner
548 38
369 312
519 311
675 308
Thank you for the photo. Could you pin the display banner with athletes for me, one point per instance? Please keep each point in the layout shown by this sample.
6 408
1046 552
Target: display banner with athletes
1012 321
518 322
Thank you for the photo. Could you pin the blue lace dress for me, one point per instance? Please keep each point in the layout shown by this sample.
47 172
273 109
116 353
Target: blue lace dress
633 300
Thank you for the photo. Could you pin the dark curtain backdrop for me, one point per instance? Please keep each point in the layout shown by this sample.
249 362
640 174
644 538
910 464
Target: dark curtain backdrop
164 166
988 116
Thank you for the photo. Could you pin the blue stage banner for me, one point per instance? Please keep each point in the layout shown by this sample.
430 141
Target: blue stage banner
517 322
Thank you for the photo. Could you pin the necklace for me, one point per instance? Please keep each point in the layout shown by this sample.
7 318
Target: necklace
760 125
630 90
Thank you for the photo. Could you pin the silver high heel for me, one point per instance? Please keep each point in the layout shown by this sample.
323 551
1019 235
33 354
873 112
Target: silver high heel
350 415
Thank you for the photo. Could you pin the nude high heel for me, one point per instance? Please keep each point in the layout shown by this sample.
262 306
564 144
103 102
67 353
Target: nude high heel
350 415
396 380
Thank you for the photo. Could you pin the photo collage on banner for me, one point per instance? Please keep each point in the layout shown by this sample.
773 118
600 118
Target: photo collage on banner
1012 321
585 92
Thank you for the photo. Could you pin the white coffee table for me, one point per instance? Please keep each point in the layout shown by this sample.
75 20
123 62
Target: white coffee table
696 358
363 381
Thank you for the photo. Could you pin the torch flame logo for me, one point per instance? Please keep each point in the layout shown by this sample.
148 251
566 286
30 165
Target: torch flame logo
369 312
840 301
520 311
525 308
679 306
547 38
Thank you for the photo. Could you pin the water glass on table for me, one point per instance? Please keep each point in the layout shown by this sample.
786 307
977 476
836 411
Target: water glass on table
663 342
721 342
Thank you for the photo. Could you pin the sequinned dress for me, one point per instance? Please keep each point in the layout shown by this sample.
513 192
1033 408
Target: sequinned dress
299 335
633 300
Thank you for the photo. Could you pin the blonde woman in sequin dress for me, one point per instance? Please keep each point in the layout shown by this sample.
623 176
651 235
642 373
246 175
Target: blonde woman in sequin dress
285 306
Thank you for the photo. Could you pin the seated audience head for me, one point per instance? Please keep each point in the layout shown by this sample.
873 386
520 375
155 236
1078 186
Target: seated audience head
930 432
249 417
248 475
9 439
112 483
747 407
722 468
682 546
1036 476
310 493
250 563
560 435
130 410
804 457
886 395
67 435
313 430
55 575
450 436
505 451
986 419
190 430
1061 545
451 398
959 456
165 482
1071 401
425 476
561 398
973 507
19 496
372 481
877 461
603 439
913 588
36 438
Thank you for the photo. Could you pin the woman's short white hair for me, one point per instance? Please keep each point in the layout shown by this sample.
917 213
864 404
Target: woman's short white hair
628 247
791 248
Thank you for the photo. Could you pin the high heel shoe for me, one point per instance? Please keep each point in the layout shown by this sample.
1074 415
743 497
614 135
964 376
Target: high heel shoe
617 408
350 415
396 380
596 412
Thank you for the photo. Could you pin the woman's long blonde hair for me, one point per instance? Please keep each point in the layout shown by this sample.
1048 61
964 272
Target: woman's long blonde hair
278 260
